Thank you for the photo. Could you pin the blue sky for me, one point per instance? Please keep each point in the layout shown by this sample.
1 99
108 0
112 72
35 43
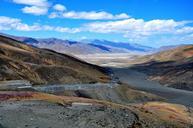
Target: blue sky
149 22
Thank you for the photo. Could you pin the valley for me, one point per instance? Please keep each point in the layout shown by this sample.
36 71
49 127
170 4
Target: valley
44 88
96 64
110 59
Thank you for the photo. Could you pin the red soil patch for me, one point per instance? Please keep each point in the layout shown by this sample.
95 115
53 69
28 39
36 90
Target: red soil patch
15 95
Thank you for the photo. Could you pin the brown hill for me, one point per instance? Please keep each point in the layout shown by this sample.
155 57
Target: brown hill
172 68
41 66
174 54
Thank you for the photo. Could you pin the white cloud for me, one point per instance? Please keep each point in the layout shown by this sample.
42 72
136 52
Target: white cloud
7 20
40 7
7 23
135 30
59 7
35 7
139 27
184 30
140 31
67 30
41 3
35 10
93 15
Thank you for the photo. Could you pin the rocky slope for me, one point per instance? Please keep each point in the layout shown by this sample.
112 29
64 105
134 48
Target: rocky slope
172 68
121 94
39 66
32 109
174 54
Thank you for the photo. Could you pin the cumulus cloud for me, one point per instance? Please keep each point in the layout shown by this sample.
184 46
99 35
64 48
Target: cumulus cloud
42 3
184 30
135 30
59 7
92 15
41 7
68 30
35 7
8 23
35 10
138 28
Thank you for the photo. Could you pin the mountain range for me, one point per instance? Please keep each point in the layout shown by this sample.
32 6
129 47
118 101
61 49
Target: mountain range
83 46
172 65
120 103
123 45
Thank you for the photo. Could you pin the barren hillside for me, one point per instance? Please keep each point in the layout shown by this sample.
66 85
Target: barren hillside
40 66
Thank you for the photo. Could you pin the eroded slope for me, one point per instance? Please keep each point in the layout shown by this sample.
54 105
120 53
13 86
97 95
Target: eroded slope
172 68
40 66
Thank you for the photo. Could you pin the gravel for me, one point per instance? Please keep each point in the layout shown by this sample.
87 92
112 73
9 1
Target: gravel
41 114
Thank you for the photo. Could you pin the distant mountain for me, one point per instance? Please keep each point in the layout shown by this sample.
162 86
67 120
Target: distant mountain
70 47
83 46
168 47
127 46
89 46
101 47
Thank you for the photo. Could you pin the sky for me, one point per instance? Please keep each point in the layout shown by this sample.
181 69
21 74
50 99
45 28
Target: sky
153 23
